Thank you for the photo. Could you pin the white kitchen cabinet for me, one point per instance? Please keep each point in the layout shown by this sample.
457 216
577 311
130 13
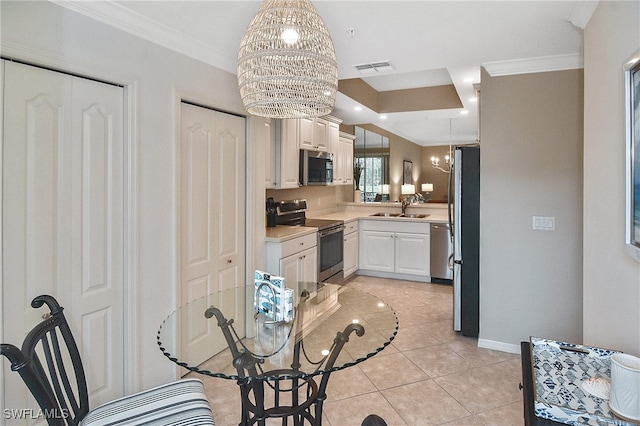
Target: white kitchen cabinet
306 133
333 135
343 160
299 267
263 133
295 259
287 137
287 155
350 248
378 251
321 135
315 134
412 253
395 249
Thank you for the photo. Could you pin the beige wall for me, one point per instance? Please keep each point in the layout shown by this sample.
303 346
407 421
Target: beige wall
156 79
531 164
429 174
611 277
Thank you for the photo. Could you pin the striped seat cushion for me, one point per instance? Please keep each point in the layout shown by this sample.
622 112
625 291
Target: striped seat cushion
178 403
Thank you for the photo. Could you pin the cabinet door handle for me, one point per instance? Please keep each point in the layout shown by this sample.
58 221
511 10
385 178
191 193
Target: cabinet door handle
229 260
301 244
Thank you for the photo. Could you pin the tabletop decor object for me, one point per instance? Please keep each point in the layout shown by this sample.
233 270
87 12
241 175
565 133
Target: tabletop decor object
559 371
286 63
272 298
625 386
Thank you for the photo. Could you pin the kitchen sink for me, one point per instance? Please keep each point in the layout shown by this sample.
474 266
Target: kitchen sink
409 216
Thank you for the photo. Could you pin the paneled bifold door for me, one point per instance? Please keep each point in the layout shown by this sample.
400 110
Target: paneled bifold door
62 217
212 220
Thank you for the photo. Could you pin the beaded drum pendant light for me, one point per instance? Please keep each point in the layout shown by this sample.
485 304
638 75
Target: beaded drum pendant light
286 64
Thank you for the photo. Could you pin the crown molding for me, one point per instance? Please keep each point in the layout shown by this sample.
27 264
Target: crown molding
127 20
531 65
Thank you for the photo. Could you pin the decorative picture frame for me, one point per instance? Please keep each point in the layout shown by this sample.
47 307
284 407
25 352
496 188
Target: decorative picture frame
407 172
632 130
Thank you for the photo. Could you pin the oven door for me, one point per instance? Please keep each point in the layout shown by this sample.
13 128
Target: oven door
330 252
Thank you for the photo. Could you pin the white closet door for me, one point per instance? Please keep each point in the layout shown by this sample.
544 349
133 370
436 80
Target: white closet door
62 218
212 221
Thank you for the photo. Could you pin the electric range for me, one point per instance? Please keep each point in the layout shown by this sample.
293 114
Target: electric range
330 237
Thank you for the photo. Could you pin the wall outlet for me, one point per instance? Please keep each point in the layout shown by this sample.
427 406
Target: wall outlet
544 223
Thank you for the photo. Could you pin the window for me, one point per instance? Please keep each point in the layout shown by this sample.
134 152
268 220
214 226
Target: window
371 151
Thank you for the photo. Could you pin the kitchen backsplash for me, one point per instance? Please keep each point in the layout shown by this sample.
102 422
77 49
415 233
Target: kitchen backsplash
318 197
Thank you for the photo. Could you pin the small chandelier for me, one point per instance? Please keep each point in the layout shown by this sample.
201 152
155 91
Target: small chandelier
435 163
286 64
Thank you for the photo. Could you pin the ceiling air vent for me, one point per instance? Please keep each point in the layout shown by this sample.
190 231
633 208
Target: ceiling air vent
383 66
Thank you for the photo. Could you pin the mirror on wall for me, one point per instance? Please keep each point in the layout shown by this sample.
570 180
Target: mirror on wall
371 152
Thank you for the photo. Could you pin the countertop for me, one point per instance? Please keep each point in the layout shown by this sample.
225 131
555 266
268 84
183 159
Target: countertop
281 233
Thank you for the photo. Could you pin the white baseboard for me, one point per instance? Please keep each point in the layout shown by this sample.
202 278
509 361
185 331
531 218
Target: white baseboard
499 346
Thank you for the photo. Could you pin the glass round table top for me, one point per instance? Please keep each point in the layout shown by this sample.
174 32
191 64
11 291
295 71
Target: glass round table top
325 316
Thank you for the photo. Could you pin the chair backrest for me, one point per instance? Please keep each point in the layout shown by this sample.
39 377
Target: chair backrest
50 365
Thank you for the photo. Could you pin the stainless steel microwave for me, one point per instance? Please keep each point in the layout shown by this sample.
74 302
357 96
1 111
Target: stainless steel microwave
316 168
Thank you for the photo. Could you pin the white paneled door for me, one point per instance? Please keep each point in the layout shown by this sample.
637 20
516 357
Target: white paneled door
63 218
212 220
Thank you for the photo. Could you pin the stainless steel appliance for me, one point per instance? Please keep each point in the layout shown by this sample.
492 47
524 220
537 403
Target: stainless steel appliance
330 238
316 168
464 219
441 252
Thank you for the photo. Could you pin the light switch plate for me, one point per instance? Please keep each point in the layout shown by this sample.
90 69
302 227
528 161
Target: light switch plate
544 223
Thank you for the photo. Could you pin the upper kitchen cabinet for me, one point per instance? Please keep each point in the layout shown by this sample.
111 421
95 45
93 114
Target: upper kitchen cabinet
287 137
287 157
262 132
343 159
318 134
306 133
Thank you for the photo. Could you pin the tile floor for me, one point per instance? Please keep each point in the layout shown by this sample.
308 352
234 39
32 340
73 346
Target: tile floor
429 375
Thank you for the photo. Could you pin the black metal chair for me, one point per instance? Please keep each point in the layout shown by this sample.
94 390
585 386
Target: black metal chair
304 397
50 365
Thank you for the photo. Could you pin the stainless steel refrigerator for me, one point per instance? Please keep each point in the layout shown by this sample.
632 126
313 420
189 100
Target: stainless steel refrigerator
464 220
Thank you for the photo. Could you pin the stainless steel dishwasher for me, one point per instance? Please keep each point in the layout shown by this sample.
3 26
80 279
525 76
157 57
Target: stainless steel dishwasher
441 251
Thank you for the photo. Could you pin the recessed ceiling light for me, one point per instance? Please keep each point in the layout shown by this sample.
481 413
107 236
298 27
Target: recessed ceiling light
464 112
357 108
468 80
473 99
383 117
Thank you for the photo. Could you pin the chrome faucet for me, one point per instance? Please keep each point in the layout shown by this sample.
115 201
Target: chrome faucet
405 203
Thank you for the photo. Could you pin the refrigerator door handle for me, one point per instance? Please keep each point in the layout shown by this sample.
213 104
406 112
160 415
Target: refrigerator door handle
450 199
458 262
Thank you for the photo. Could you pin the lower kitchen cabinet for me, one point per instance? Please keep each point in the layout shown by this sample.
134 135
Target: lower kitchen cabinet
295 260
412 254
378 249
351 245
301 266
395 249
